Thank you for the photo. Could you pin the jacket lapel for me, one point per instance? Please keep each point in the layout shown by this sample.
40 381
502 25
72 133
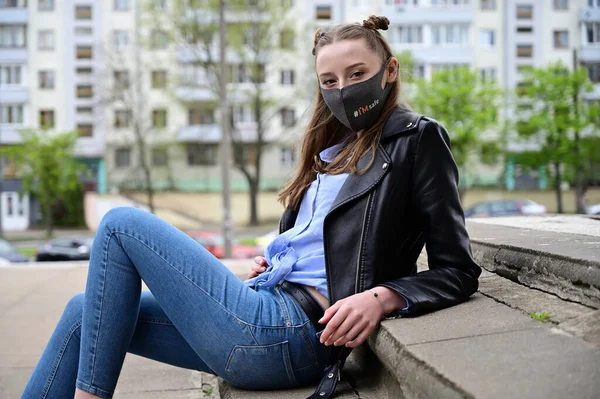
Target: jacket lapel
358 184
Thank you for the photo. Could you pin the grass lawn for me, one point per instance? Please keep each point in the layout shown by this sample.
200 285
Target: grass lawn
27 251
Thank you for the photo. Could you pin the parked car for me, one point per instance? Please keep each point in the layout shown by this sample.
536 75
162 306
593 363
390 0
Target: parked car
215 244
593 209
9 254
505 208
65 248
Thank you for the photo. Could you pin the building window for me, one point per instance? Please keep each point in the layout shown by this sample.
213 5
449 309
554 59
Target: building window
122 157
561 39
45 5
83 12
524 50
84 110
121 79
46 79
84 52
447 3
524 11
487 5
159 39
201 116
83 31
11 113
84 91
487 38
524 29
594 72
159 157
85 129
47 118
45 40
159 79
288 156
323 12
121 5
12 36
593 33
287 77
201 154
120 39
561 4
10 75
84 70
13 3
488 74
594 3
242 113
122 118
419 71
408 34
159 118
288 117
286 39
451 34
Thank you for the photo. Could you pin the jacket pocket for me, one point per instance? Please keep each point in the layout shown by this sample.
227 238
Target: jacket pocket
261 367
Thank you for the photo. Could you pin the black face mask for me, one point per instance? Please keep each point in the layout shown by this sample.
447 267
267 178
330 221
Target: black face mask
358 105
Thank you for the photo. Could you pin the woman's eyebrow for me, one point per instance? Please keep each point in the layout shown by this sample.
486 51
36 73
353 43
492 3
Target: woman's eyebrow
348 67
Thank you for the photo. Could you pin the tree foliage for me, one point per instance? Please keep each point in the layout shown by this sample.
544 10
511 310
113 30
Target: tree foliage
49 172
553 113
468 107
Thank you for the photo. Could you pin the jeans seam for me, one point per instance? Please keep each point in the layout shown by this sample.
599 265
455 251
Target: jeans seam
96 334
56 364
155 321
284 308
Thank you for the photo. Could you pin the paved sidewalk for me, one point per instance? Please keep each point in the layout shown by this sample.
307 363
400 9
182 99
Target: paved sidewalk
32 299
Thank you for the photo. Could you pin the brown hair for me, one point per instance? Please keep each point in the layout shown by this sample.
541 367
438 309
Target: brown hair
325 130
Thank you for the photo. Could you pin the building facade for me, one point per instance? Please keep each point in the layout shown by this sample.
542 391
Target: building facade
110 70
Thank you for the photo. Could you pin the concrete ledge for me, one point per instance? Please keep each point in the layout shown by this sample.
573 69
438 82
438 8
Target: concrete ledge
567 265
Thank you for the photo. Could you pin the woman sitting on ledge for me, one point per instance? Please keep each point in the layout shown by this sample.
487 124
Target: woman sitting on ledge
376 182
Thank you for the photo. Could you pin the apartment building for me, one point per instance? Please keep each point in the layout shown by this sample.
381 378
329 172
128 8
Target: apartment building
105 67
14 107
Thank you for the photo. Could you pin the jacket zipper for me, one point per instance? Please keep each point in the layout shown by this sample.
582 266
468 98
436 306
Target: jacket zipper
362 236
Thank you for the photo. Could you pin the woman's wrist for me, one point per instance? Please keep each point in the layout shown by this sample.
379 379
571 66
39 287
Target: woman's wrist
389 300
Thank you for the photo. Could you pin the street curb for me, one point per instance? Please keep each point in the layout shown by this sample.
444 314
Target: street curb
576 280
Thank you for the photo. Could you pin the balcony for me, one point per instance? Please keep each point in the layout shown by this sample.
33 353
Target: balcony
590 53
13 15
200 134
589 15
409 14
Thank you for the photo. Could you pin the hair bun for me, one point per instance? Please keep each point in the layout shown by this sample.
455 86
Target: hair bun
375 22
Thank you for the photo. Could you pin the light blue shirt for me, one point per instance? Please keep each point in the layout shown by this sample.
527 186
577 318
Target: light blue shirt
297 255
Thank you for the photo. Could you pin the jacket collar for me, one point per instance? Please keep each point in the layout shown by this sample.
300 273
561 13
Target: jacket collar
401 121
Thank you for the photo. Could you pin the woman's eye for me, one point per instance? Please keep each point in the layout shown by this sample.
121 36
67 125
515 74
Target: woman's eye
328 82
357 74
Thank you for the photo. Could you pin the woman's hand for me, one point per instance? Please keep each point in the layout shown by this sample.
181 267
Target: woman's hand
351 320
259 267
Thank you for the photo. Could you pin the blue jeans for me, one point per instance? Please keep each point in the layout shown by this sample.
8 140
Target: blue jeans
197 315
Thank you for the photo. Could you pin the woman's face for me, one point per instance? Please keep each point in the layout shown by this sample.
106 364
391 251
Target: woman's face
348 62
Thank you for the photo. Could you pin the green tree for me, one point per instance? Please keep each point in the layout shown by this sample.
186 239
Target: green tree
556 117
255 30
467 106
48 169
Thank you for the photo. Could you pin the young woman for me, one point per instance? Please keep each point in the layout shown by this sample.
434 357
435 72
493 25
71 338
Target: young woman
376 182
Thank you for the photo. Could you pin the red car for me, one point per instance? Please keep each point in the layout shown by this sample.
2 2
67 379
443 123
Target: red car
215 244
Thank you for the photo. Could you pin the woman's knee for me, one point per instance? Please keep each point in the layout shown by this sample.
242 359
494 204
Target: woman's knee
123 215
74 309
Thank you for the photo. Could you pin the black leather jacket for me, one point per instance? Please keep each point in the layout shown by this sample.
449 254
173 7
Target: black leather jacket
380 220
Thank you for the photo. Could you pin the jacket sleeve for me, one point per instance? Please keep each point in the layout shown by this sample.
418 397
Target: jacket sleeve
452 275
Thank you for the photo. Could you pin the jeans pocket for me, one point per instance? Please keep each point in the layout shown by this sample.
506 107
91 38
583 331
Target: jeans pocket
261 367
